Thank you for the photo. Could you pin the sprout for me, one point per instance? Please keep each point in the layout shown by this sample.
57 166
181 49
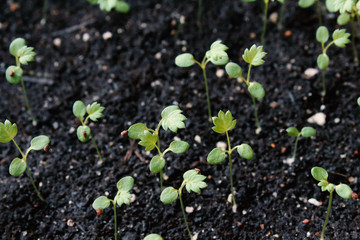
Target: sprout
305 132
107 5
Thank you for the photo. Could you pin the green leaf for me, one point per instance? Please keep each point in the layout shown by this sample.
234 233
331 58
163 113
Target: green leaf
343 191
217 54
26 54
194 181
341 37
216 156
330 5
256 90
218 46
107 5
358 101
322 34
101 203
179 146
122 197
39 142
15 45
157 164
223 122
83 133
184 60
306 3
153 236
135 131
254 56
14 74
122 7
79 109
292 132
323 61
343 19
245 151
7 131
125 183
148 140
308 132
172 118
169 195
17 167
319 173
95 111
343 5
233 70
93 1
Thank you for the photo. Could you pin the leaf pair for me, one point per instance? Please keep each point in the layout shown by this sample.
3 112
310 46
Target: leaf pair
108 5
305 132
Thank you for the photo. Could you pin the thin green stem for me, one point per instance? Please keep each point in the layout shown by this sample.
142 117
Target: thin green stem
327 216
295 147
183 212
44 12
353 44
282 9
318 9
230 171
323 93
265 22
115 220
33 183
256 113
207 92
198 21
161 179
17 146
97 149
34 123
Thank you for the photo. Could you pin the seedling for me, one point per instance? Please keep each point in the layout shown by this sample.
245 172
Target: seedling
153 236
23 55
107 5
254 57
216 55
193 182
171 118
18 166
309 3
94 112
124 185
341 189
224 123
305 132
340 39
358 101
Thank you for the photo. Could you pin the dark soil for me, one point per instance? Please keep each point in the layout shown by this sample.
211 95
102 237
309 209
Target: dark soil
134 76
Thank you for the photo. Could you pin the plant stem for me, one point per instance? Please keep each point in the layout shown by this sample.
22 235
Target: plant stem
161 179
97 149
353 39
256 114
280 26
44 14
295 147
34 123
230 171
323 93
207 92
33 183
115 220
198 21
318 9
327 216
265 21
183 212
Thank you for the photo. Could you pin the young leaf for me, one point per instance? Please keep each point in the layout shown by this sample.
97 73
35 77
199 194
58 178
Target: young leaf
323 61
306 3
330 5
101 203
79 109
135 131
341 37
179 146
122 197
216 156
95 111
319 173
13 74
217 54
292 132
153 236
194 181
223 122
7 131
169 195
107 5
343 19
233 70
343 5
184 60
26 54
148 140
15 45
256 90
172 118
39 142
17 167
308 132
245 151
83 133
358 101
322 34
343 191
254 56
122 7
157 164
218 46
125 183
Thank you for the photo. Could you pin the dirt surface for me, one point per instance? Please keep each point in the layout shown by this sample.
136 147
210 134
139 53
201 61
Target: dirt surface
133 75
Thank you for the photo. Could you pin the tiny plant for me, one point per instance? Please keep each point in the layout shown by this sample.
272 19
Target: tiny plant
341 189
124 185
107 5
305 132
94 112
171 118
340 39
153 236
224 123
358 101
309 3
217 55
254 57
18 166
193 182
23 55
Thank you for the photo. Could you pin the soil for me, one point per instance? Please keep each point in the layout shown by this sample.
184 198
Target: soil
133 75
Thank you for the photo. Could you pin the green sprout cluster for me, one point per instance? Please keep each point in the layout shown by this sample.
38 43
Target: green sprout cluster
23 55
305 132
94 112
123 196
171 119
108 5
193 182
18 166
341 189
224 123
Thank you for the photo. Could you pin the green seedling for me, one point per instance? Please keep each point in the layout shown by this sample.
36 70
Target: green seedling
124 185
153 236
340 39
171 118
358 101
193 182
341 189
217 55
23 55
305 132
18 166
309 3
94 112
108 5
254 57
224 123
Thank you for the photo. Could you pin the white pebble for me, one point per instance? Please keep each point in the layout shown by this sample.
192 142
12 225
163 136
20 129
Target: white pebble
336 120
274 17
220 73
198 138
70 223
85 37
133 197
55 125
107 35
318 118
158 55
189 209
57 42
314 202
289 161
310 72
221 145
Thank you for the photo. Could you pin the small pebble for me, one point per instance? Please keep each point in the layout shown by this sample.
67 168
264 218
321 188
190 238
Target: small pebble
189 209
283 150
305 221
197 139
314 202
158 55
55 125
262 226
133 197
287 33
252 35
57 42
273 145
310 72
336 120
85 37
274 17
289 161
107 35
220 73
70 223
273 104
221 145
318 118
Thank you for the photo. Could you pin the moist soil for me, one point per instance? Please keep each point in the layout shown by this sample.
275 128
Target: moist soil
126 63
